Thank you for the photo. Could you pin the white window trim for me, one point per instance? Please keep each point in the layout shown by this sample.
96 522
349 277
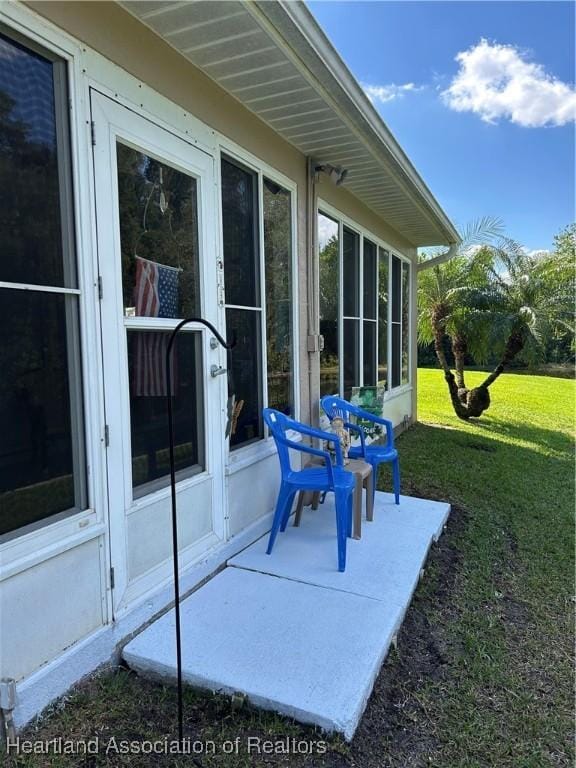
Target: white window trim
345 221
246 455
57 534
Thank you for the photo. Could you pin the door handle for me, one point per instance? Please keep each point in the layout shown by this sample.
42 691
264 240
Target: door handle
216 370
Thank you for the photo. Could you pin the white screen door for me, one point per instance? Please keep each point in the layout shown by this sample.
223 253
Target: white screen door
156 226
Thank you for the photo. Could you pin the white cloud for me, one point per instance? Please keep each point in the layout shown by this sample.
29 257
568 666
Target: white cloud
380 94
538 252
498 81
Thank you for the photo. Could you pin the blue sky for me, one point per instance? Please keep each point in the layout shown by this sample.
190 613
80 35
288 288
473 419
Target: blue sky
491 133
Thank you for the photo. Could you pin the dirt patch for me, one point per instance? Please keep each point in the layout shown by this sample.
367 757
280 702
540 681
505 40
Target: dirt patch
515 612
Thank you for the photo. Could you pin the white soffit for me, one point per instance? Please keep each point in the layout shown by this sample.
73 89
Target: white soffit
273 57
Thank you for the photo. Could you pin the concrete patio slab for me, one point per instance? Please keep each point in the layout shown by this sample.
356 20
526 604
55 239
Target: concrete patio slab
306 652
290 631
384 564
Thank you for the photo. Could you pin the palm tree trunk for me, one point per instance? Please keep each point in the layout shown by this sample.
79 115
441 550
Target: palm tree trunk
459 349
493 376
514 345
459 408
437 318
439 345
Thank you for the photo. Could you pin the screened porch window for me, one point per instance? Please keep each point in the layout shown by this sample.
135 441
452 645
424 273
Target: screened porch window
364 311
329 258
243 299
42 465
259 297
351 351
277 214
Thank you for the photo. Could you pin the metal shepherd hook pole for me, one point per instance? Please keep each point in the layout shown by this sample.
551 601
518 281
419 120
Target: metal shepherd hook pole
173 487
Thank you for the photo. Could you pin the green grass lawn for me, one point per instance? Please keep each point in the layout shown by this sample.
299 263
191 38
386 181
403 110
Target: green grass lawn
483 674
508 696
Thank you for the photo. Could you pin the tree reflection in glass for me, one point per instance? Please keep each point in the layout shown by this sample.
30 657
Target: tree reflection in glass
158 237
328 247
278 265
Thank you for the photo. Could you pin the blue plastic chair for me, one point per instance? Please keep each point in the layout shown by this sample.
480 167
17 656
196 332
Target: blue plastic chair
374 454
328 478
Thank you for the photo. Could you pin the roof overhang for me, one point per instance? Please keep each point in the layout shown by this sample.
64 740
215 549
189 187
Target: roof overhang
275 59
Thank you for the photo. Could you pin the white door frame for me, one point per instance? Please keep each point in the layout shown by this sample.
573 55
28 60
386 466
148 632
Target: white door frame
112 120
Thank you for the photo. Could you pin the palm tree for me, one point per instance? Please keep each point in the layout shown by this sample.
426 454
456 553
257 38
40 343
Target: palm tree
531 297
496 301
450 297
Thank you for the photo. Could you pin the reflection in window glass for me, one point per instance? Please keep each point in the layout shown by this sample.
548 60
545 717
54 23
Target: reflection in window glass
242 282
351 272
351 355
158 237
41 458
42 463
383 259
278 266
396 289
244 380
370 277
396 320
369 353
370 296
240 219
405 321
328 248
30 178
396 343
148 409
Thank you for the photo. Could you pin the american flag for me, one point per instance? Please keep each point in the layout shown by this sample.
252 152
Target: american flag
150 365
156 291
155 295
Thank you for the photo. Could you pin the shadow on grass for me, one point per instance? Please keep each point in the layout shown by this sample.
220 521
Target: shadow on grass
499 466
550 439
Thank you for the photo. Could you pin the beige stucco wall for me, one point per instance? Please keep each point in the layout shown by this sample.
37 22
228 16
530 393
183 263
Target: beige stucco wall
344 201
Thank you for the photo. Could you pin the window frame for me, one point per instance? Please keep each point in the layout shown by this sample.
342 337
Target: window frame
71 287
258 308
371 320
339 322
38 542
325 208
253 451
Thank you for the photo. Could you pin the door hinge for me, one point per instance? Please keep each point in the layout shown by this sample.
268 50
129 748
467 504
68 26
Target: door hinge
111 578
100 288
93 133
106 435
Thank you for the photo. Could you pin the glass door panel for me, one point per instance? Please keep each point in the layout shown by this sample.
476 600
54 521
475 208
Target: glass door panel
158 236
149 412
